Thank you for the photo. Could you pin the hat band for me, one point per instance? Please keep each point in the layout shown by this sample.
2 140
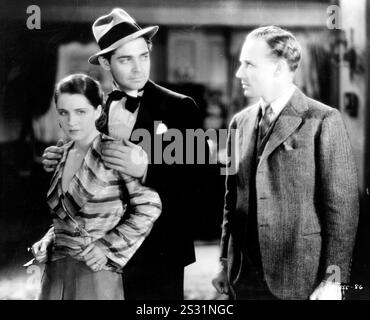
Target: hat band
118 32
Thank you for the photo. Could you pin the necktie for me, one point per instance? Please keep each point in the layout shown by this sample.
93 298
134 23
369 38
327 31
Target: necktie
266 120
131 104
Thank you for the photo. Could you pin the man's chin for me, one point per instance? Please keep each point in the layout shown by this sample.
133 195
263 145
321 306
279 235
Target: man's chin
137 85
132 85
247 93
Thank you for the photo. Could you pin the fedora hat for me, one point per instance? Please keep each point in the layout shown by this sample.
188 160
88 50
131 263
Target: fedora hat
115 29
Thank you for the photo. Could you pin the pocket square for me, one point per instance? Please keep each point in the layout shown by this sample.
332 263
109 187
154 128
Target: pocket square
287 146
161 128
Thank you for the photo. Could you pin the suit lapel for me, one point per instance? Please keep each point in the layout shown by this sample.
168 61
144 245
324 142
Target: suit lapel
59 170
145 117
288 121
247 140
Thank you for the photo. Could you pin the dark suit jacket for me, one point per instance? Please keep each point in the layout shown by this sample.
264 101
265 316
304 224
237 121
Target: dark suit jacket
307 198
170 243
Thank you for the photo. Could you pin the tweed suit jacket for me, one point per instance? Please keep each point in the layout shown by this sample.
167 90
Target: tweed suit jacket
307 198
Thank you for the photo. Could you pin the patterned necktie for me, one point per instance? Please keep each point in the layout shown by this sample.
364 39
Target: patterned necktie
131 104
266 120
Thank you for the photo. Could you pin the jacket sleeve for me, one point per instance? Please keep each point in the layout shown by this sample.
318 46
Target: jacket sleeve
49 236
230 195
181 185
120 244
338 190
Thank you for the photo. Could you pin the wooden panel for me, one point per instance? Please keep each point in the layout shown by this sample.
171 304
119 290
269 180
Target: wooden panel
197 56
182 57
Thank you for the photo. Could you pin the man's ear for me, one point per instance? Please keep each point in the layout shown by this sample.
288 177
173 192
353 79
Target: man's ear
281 65
104 63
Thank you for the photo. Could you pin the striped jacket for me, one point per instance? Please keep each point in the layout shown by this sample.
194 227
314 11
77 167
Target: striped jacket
102 206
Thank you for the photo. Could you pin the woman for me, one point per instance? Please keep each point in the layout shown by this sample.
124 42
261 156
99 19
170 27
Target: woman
91 238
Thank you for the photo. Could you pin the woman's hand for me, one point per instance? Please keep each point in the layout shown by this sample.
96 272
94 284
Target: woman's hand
94 257
39 250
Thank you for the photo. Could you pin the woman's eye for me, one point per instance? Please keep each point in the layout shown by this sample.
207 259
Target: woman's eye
81 112
62 113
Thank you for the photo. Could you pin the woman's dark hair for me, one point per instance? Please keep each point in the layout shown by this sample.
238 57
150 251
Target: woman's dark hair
80 84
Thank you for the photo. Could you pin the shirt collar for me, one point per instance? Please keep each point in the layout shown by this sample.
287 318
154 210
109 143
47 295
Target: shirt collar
279 103
139 93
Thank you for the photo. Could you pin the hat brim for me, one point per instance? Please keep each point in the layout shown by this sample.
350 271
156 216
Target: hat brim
148 32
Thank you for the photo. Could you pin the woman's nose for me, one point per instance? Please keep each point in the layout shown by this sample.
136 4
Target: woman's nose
72 120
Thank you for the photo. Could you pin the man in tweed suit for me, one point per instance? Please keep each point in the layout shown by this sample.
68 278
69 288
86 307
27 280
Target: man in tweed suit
291 210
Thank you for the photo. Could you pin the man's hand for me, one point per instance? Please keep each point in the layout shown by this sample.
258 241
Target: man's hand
129 159
221 282
94 257
52 156
40 248
327 290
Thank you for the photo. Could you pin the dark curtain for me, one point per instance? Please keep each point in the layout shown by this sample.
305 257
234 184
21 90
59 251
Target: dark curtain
30 66
28 63
322 66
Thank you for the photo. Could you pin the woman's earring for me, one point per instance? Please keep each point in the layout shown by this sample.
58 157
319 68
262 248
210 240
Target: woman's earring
60 126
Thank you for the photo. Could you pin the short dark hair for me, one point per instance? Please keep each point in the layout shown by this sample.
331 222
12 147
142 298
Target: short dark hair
109 54
282 43
80 84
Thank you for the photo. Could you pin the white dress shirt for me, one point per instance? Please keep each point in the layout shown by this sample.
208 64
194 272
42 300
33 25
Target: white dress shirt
121 121
279 103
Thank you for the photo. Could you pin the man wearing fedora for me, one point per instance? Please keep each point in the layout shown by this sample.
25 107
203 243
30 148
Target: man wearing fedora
157 269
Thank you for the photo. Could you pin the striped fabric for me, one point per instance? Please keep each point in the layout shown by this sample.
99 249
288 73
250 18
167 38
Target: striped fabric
102 206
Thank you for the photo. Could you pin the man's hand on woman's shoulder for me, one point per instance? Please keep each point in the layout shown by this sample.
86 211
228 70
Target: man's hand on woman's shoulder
52 156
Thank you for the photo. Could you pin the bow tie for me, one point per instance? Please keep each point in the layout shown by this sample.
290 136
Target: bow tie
131 104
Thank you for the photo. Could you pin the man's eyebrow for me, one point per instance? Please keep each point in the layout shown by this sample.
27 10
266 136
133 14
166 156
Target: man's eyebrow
123 56
130 56
246 61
